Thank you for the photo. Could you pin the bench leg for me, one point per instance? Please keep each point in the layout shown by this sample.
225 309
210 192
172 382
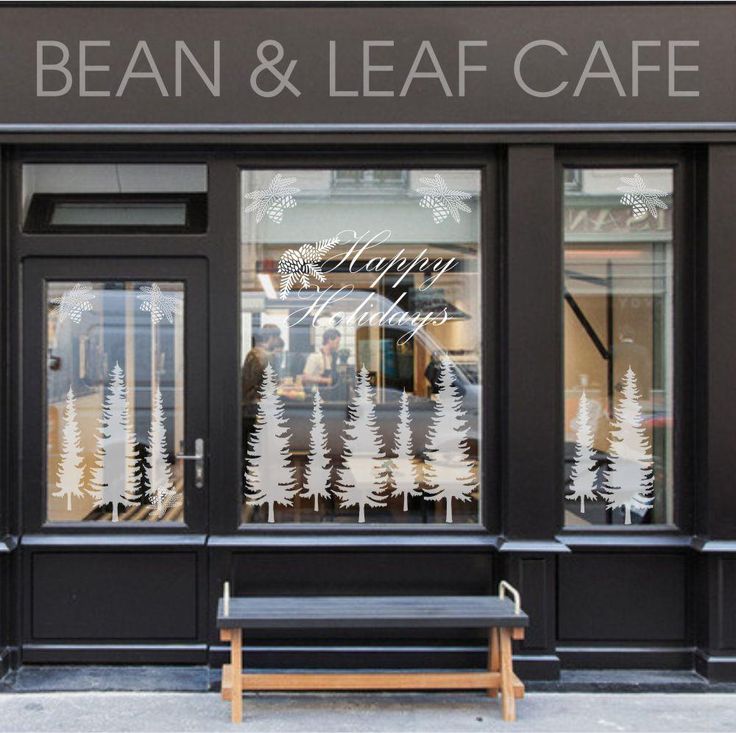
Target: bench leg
494 664
508 704
236 664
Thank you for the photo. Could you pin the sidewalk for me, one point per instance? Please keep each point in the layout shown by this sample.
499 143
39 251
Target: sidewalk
159 712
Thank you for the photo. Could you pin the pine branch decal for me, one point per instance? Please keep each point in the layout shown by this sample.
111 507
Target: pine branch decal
297 266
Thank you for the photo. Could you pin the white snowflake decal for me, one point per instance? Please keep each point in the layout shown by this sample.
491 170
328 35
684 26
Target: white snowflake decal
298 265
74 302
443 201
158 303
273 200
643 201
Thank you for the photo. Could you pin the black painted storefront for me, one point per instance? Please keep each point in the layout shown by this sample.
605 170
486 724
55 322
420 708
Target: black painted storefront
647 597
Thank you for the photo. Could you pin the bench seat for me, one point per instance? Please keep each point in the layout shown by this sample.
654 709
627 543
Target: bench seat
503 618
352 612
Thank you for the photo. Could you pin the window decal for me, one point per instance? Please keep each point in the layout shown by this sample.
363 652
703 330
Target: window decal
318 471
74 302
114 477
366 475
71 473
298 265
644 201
628 476
361 481
273 200
270 477
629 479
443 200
159 304
160 491
449 472
404 473
584 468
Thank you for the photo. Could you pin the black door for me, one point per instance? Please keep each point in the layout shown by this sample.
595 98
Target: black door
115 466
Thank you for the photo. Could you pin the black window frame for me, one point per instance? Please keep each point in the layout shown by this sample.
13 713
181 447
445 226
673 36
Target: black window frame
487 160
39 218
682 162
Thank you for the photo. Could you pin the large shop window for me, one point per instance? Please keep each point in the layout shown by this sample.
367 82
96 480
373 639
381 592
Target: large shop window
618 239
115 401
360 336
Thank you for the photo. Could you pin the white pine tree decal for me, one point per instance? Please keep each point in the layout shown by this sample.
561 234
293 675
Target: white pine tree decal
404 479
74 302
629 479
269 477
583 474
362 477
448 470
318 470
161 491
114 477
70 474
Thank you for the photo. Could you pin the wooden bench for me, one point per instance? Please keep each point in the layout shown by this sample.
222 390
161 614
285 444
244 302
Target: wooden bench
503 618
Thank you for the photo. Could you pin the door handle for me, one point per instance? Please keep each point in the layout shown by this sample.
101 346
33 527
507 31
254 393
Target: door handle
198 459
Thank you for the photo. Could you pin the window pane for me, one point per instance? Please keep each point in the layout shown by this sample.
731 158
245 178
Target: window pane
360 339
115 401
618 347
115 214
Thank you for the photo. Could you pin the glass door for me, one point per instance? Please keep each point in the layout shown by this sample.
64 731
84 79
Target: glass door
115 368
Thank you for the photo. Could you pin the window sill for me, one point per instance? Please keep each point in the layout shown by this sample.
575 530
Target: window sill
608 540
446 541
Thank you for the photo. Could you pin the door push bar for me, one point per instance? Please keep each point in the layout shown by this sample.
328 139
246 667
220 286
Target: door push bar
198 459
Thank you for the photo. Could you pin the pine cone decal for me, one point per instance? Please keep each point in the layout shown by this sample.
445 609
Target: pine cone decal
441 199
298 265
644 201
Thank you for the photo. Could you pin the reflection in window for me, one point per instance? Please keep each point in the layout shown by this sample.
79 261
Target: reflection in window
360 342
115 401
618 347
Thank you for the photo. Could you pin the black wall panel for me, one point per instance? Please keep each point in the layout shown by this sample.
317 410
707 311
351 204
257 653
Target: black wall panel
114 596
727 594
622 597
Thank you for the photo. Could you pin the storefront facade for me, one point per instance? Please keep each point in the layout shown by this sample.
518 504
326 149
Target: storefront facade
316 313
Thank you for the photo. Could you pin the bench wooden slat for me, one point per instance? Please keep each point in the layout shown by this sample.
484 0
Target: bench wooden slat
373 611
253 681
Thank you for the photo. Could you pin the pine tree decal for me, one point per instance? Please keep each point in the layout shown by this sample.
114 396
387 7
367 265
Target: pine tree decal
629 479
161 492
70 474
403 467
583 474
318 470
114 477
448 471
269 477
362 477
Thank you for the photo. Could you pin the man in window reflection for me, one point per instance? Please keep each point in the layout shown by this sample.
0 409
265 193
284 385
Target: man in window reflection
320 369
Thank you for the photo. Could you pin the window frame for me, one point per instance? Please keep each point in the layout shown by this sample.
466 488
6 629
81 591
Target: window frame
39 219
684 241
485 160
